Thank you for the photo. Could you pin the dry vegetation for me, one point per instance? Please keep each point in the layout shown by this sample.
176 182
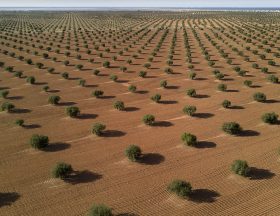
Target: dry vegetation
129 109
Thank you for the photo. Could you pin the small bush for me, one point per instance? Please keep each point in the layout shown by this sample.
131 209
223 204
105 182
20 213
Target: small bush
240 167
148 119
189 110
191 92
226 104
168 70
222 87
4 93
46 88
19 122
39 141
106 64
97 93
248 83
219 76
272 78
119 105
8 107
259 97
189 139
163 83
114 77
54 99
100 210
96 72
72 111
65 75
61 170
30 79
133 152
142 74
231 128
82 82
156 98
270 118
18 74
180 188
132 88
192 75
98 129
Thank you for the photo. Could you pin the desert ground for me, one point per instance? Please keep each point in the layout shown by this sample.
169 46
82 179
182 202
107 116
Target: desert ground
185 42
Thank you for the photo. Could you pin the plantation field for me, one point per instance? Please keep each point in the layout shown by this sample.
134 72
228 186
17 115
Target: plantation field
74 55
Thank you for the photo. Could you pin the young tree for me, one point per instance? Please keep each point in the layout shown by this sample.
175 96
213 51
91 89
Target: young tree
119 105
82 82
19 122
54 99
148 119
8 107
142 74
4 93
72 111
226 104
97 93
240 167
259 97
222 87
156 98
163 83
39 141
100 210
114 77
189 139
192 75
248 83
180 188
62 170
65 75
191 92
270 118
106 64
98 129
133 152
30 79
189 110
272 78
96 72
231 128
132 88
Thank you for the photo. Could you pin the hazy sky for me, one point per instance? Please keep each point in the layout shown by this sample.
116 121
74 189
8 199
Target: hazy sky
139 3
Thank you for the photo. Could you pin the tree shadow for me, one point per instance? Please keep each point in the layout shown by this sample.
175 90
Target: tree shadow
131 109
205 144
19 111
8 198
259 174
150 76
272 101
142 92
66 103
236 107
40 83
162 124
168 102
127 214
58 146
80 177
107 97
200 79
31 126
15 98
203 115
227 79
151 159
74 78
91 86
172 87
86 116
255 86
232 90
122 81
113 133
53 91
245 133
204 196
202 96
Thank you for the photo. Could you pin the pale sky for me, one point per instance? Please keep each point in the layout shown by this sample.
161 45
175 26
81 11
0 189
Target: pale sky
139 3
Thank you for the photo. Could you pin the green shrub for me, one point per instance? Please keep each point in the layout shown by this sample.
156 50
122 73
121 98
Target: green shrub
61 170
148 119
168 70
46 88
156 98
72 111
272 78
18 74
231 128
114 77
119 105
189 110
39 141
30 79
222 87
8 107
180 188
163 83
97 93
219 76
270 118
133 152
132 88
4 93
226 104
65 75
96 72
259 97
79 66
192 75
142 74
106 64
248 83
100 210
189 139
240 167
19 122
82 82
191 92
98 129
54 99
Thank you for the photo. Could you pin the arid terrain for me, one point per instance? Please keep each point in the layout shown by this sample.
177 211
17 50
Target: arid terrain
168 46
